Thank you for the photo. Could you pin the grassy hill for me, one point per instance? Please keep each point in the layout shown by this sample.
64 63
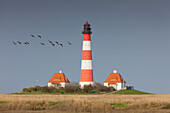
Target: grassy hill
130 92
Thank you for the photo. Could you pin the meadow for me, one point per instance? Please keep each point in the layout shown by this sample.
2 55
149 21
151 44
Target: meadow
112 103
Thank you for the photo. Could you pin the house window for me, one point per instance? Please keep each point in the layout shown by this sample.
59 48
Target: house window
57 85
112 79
56 79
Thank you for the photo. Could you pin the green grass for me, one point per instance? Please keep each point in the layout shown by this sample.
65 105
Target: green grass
167 106
55 103
36 104
131 92
119 105
49 103
4 102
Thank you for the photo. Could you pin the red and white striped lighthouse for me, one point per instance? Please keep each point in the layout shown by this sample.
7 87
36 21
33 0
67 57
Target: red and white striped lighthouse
86 63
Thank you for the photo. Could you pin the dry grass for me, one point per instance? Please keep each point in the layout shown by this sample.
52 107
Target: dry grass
85 103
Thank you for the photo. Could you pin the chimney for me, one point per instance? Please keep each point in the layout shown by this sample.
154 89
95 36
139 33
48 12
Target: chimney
115 71
60 71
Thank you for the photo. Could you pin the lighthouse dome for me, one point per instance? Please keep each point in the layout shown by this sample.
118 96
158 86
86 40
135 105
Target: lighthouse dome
86 24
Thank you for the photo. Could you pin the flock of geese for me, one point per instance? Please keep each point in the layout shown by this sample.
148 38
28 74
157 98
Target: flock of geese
43 44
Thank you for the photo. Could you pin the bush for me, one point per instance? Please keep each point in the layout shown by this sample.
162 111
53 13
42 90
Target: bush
100 87
25 90
72 88
88 88
37 88
95 91
32 89
68 89
47 89
110 89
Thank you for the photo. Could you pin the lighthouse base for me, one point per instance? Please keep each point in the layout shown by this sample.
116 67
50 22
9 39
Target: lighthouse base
82 84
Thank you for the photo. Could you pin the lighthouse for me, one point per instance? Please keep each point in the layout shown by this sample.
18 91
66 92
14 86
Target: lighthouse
86 63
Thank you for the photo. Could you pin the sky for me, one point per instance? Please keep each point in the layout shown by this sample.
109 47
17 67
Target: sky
132 36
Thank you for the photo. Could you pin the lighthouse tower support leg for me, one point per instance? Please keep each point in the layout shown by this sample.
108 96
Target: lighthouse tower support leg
86 63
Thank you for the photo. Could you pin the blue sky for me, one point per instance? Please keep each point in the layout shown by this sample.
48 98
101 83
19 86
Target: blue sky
129 35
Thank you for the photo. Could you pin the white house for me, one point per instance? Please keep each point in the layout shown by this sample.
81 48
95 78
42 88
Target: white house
58 80
115 80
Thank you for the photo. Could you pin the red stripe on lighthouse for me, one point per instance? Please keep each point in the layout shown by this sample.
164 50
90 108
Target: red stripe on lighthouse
86 37
86 75
86 55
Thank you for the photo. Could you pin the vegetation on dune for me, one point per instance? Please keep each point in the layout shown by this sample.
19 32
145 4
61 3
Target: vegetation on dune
72 88
130 92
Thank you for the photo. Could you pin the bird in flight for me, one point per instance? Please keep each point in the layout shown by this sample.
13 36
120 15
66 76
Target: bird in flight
14 43
42 44
39 36
32 35
53 44
19 42
50 41
26 43
56 42
61 45
69 43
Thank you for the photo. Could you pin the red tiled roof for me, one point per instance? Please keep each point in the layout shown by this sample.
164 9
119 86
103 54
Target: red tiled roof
114 78
57 78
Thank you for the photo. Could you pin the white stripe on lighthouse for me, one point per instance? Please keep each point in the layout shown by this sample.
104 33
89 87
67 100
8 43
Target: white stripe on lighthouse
85 83
86 64
86 45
